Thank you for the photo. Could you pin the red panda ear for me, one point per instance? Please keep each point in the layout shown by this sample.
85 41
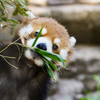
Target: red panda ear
72 41
29 18
30 15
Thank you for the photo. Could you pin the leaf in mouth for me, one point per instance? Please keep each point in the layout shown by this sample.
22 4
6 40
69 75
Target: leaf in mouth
50 55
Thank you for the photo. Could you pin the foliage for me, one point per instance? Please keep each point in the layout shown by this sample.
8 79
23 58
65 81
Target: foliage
19 8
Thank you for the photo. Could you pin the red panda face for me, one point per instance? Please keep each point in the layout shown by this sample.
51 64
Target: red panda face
54 38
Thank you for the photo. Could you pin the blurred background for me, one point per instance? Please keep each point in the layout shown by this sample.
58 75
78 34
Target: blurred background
82 20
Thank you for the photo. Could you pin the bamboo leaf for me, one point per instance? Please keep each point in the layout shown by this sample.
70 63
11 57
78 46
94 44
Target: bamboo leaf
16 12
37 37
22 3
2 4
23 13
4 26
14 21
50 72
4 19
50 63
51 55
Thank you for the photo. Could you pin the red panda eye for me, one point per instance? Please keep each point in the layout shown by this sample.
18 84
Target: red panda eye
36 33
55 47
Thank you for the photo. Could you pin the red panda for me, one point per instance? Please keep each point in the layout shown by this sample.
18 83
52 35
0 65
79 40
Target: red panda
31 80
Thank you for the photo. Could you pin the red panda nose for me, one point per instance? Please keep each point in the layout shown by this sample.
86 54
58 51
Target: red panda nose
42 46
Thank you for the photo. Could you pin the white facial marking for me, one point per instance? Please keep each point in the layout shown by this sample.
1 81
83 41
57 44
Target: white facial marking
26 30
30 15
30 42
72 41
56 40
28 54
64 53
44 31
39 62
41 40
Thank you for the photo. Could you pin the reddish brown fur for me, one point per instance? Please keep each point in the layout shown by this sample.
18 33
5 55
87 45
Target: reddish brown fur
54 30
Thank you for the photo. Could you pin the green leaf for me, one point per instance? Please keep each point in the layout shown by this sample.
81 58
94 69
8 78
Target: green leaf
37 37
51 55
2 4
4 26
50 63
23 13
4 19
50 72
15 12
22 3
13 21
